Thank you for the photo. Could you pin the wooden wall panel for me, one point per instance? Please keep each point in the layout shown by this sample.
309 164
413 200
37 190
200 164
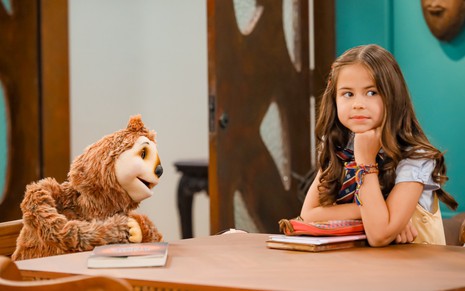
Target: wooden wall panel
34 71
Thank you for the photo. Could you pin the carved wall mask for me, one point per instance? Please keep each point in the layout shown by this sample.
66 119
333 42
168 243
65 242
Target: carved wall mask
445 18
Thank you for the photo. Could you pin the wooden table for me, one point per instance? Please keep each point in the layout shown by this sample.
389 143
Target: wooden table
242 262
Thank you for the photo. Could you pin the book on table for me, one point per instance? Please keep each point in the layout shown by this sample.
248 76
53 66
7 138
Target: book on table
315 243
297 226
131 255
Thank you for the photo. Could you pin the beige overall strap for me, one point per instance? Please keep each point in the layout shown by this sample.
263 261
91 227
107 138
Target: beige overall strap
429 225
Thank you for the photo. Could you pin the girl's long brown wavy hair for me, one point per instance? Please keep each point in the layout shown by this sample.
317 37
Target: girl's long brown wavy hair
401 137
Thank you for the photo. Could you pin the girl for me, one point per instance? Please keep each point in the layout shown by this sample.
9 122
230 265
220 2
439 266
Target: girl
376 164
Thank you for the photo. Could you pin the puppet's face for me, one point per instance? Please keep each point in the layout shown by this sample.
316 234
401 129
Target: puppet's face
138 169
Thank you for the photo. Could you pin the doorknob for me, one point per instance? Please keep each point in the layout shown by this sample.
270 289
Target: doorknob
224 120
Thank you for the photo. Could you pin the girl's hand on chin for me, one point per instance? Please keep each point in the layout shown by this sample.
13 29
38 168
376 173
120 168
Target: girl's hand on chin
367 145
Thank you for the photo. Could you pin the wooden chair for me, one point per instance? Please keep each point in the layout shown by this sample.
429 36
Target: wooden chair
454 229
9 232
462 233
11 280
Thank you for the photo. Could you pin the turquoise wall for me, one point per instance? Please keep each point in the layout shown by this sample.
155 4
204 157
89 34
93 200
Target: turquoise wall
361 22
435 71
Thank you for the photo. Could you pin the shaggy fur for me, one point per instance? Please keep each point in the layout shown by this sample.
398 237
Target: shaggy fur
87 210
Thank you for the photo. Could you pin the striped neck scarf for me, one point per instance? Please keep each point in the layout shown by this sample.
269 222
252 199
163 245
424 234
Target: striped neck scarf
346 194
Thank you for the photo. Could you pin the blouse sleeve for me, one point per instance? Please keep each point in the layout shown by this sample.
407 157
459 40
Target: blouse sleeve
417 170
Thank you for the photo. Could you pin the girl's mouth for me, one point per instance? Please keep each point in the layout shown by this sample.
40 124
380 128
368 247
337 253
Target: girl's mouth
359 117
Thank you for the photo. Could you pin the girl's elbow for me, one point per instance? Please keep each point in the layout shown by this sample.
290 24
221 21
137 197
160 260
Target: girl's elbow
305 214
380 241
377 244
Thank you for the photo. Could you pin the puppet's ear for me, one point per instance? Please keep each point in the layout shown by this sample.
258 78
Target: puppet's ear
152 136
135 123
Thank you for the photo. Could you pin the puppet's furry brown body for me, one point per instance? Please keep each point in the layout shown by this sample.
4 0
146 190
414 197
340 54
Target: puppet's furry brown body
89 209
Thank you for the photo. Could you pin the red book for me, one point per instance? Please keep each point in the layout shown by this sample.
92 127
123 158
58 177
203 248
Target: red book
324 228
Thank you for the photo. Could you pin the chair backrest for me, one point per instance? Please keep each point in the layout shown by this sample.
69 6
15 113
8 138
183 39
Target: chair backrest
454 229
10 280
462 233
9 232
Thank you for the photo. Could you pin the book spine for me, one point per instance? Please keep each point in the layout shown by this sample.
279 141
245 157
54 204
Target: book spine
315 248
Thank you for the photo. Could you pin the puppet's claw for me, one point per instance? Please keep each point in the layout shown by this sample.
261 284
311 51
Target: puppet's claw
135 233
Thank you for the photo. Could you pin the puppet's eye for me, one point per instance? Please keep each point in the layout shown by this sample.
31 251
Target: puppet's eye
143 153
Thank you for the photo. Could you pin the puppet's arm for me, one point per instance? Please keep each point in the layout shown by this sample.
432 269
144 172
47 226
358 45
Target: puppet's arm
40 214
149 232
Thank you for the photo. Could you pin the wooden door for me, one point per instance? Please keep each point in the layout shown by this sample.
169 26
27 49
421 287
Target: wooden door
34 87
261 84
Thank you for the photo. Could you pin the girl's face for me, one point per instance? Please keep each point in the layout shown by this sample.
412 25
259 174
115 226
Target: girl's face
359 105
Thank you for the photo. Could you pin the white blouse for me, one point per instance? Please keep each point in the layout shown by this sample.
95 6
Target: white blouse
419 170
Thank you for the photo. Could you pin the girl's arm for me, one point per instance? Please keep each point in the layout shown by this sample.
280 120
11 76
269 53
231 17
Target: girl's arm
383 219
404 233
312 211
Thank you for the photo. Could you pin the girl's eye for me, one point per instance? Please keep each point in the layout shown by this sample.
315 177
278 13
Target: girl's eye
143 153
347 94
372 93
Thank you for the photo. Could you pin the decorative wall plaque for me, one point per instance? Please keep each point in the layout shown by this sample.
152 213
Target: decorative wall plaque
445 18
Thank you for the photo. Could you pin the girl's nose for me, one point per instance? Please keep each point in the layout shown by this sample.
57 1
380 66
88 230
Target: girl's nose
358 103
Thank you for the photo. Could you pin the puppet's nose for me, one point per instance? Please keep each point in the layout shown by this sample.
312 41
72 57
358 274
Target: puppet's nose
159 171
